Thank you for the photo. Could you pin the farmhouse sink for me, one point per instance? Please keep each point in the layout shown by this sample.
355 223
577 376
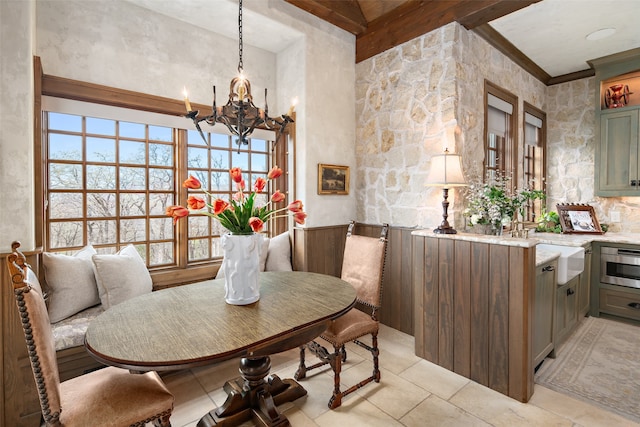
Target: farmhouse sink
570 262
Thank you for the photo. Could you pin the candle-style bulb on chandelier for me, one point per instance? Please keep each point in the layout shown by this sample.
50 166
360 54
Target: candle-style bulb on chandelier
239 114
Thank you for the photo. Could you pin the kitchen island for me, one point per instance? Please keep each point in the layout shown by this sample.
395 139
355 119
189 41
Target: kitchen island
473 307
474 302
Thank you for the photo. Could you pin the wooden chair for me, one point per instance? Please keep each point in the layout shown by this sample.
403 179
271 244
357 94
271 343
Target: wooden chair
106 397
362 266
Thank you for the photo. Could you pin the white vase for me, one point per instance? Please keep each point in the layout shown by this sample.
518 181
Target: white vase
241 266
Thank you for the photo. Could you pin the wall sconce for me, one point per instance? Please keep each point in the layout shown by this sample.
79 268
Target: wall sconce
446 172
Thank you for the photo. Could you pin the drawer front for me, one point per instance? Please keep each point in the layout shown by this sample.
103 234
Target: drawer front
623 304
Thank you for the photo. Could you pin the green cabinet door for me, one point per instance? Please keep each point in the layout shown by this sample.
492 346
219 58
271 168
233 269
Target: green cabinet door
543 311
617 154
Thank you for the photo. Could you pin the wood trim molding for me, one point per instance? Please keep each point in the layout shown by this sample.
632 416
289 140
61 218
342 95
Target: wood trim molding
90 92
39 185
589 72
496 40
495 11
346 15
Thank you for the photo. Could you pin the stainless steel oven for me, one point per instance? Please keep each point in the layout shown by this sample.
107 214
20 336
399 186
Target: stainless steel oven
620 266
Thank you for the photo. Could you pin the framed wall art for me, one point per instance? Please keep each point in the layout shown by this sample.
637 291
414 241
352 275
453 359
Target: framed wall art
578 219
333 179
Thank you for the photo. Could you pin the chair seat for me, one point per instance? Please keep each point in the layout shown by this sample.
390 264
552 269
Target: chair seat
112 397
352 325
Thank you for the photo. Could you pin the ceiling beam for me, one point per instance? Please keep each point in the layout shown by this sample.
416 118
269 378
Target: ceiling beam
415 18
345 14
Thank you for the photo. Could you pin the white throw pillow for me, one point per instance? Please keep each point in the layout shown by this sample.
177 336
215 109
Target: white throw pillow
263 258
72 284
279 254
121 276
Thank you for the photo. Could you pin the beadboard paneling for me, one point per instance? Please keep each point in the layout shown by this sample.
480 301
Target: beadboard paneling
473 308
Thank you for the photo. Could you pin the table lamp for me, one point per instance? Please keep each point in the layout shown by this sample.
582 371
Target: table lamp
446 172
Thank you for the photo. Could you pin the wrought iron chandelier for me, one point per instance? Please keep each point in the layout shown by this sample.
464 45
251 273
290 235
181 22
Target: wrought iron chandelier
239 114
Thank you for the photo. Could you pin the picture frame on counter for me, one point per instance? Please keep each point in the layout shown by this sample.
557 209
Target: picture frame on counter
576 218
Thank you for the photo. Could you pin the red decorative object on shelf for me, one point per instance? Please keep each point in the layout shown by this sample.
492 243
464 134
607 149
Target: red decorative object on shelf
617 96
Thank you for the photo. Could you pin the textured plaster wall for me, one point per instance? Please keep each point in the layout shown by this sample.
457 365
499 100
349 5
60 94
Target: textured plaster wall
325 127
409 100
17 204
119 44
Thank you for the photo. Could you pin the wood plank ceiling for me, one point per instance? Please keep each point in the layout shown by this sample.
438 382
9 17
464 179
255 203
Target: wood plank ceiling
382 24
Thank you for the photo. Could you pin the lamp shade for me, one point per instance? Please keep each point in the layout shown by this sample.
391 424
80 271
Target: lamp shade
446 171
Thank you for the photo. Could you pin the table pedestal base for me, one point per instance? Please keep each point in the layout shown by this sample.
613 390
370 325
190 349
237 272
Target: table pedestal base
251 397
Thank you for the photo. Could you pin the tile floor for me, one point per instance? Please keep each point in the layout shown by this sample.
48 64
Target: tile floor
412 392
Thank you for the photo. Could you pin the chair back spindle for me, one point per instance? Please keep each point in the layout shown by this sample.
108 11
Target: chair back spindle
38 335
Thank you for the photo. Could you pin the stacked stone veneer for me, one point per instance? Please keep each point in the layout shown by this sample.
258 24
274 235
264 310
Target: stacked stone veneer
410 98
409 101
571 147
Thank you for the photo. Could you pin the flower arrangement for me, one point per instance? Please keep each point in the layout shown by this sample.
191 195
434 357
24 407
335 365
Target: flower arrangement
238 215
494 202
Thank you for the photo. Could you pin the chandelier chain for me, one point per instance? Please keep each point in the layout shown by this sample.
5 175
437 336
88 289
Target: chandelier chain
240 64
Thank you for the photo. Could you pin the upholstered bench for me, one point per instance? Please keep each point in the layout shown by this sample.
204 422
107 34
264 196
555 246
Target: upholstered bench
89 282
70 332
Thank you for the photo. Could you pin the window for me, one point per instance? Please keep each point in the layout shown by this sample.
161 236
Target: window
500 140
534 162
110 174
210 163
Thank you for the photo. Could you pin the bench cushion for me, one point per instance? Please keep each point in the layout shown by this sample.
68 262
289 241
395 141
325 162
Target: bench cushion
70 331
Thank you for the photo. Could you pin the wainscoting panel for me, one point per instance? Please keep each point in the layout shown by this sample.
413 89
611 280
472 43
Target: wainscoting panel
320 250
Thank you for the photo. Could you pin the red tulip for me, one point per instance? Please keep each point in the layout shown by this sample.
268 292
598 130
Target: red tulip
177 212
256 224
259 185
240 185
195 203
295 206
299 217
219 206
192 183
274 173
277 197
236 174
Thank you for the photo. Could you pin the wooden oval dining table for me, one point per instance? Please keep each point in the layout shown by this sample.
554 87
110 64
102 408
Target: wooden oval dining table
192 325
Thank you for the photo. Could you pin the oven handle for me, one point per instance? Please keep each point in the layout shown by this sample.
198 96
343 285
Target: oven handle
629 252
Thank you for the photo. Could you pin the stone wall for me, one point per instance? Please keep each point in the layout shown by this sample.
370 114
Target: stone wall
409 101
405 99
571 148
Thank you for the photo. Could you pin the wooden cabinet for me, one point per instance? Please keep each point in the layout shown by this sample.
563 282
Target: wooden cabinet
566 310
544 311
624 302
584 287
617 101
617 164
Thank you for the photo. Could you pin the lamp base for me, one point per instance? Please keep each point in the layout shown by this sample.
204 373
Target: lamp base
445 230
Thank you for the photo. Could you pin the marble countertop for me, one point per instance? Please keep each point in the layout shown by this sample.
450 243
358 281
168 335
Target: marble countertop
544 256
535 238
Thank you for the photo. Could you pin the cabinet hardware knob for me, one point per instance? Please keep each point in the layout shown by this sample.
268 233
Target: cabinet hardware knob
634 182
548 268
570 292
634 305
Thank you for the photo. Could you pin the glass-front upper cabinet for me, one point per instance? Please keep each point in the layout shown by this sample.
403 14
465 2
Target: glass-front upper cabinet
617 147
